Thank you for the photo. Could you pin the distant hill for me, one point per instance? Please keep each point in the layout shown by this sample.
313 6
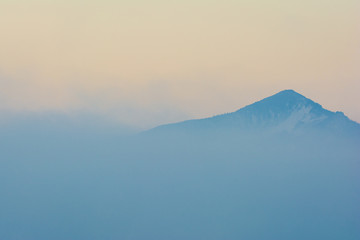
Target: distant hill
284 112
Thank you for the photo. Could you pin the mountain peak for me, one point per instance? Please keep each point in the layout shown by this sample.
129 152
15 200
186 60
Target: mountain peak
286 110
291 91
284 101
288 94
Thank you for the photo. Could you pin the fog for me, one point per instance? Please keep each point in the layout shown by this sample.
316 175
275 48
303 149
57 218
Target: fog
88 183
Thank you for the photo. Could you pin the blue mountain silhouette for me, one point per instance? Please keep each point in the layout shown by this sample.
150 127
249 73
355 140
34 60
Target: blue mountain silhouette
286 111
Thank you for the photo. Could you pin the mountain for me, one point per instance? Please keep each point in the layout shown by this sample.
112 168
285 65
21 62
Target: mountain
286 111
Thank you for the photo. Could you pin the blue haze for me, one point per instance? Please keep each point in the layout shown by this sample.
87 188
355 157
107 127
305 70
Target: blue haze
282 168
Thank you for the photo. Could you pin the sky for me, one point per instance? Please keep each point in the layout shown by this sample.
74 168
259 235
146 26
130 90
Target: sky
145 63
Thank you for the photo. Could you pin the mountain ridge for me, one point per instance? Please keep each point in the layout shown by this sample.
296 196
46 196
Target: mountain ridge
285 111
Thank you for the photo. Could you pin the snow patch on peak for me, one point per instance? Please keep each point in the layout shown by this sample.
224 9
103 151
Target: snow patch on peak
299 116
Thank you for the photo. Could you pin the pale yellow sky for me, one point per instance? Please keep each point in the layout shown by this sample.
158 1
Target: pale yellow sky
152 62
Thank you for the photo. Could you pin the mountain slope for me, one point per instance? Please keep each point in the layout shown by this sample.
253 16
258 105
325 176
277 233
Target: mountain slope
286 111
